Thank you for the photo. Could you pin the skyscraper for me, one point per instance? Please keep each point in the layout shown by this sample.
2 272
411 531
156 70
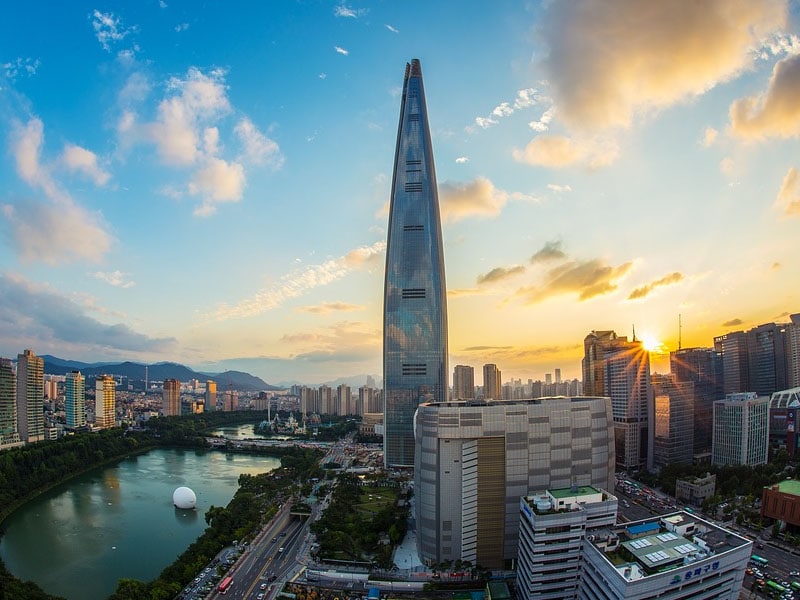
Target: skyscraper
741 426
415 305
30 397
8 403
75 400
615 367
463 382
211 395
703 368
171 398
105 407
492 384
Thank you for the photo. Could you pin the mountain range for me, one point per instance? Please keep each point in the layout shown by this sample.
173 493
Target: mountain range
235 380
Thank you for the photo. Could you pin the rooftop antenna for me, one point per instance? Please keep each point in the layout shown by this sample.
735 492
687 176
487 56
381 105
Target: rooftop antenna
679 331
634 332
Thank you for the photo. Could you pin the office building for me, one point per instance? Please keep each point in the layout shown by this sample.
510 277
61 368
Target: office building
781 501
415 303
741 424
702 367
694 490
614 367
30 397
463 382
793 350
553 530
672 557
105 399
779 404
793 428
732 347
475 459
492 383
8 404
171 398
211 395
75 400
673 437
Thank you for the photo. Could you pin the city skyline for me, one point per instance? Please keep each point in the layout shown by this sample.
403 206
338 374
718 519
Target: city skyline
178 192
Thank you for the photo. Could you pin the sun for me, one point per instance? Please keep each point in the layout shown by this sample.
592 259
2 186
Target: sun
651 343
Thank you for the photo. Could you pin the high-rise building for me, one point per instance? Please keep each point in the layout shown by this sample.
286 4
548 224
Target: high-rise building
475 459
415 303
766 356
671 557
741 424
105 399
211 395
368 400
793 350
614 367
75 400
171 398
344 400
558 375
735 372
673 439
8 403
30 397
463 382
492 383
553 530
702 367
326 403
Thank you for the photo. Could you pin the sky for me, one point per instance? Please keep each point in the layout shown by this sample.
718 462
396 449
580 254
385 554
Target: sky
208 183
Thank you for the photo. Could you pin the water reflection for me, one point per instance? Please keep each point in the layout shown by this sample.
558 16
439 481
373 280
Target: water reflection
185 517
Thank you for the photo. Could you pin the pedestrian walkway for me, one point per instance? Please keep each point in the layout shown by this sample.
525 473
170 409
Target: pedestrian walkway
405 555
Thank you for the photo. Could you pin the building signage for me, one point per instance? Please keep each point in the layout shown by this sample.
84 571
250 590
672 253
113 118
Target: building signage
696 572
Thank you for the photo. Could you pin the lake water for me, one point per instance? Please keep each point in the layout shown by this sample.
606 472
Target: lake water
79 539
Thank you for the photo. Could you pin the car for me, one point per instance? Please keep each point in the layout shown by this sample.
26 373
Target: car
263 586
260 596
281 549
274 540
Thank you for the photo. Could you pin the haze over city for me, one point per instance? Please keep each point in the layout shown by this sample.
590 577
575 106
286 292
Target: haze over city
210 185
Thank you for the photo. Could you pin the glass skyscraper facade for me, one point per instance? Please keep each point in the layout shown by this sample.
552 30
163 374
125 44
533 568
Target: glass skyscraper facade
75 400
415 305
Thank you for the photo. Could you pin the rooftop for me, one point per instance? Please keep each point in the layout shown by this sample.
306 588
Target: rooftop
789 486
574 491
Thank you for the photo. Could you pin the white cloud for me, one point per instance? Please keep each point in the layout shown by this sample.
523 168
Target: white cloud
341 50
503 110
21 66
162 4
181 27
609 61
558 188
323 75
84 161
774 114
108 29
485 122
114 278
788 199
709 137
345 11
475 198
556 151
462 159
525 98
218 181
299 282
727 166
543 124
258 148
392 29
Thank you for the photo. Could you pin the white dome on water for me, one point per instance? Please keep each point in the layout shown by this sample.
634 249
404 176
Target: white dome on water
184 497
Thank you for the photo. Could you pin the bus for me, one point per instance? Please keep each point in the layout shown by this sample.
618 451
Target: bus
759 560
774 586
796 586
225 585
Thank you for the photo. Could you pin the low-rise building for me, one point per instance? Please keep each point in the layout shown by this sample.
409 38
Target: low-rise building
694 490
782 502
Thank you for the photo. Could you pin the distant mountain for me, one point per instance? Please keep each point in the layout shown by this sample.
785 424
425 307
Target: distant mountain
236 380
354 381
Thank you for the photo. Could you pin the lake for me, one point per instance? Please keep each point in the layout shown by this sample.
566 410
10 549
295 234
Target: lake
78 539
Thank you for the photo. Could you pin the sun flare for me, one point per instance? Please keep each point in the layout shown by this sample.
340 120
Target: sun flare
651 343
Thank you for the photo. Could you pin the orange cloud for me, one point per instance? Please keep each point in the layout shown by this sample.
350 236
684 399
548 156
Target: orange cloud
789 197
587 279
644 290
558 151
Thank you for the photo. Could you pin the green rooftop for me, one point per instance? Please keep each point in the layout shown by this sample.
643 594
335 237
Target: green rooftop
790 486
569 492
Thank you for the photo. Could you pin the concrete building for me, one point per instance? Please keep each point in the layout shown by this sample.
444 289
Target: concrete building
779 404
30 397
476 459
614 367
105 409
673 557
463 382
673 439
344 400
553 530
782 502
171 398
211 395
741 425
492 383
8 404
75 400
694 490
368 400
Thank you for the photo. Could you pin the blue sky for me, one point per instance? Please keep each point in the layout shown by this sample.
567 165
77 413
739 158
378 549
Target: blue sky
208 183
